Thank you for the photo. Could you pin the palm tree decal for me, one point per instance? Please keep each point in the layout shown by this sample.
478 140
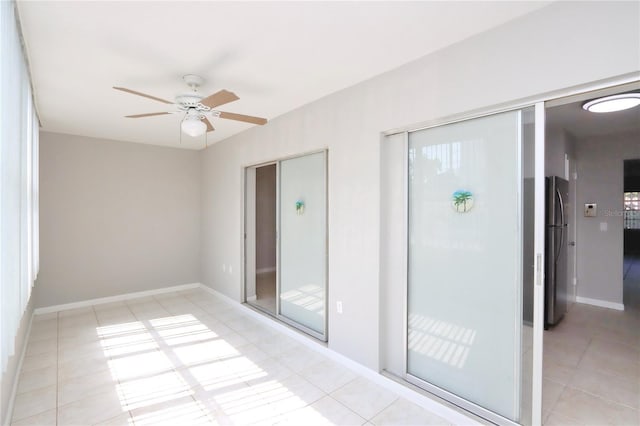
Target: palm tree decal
461 199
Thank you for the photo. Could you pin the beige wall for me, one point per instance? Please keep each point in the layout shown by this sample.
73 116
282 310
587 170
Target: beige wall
526 57
600 180
116 218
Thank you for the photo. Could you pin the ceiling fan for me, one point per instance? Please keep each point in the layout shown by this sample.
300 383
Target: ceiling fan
197 109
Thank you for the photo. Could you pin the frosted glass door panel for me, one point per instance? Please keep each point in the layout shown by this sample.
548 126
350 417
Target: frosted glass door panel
303 241
465 260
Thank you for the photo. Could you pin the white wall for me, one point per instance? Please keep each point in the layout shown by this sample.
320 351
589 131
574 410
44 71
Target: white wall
545 51
558 143
116 217
600 180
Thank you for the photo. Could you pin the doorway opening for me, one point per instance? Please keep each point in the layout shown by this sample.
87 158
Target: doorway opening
631 220
264 272
589 353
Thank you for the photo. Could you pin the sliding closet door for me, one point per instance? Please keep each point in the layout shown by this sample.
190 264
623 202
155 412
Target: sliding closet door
302 233
470 263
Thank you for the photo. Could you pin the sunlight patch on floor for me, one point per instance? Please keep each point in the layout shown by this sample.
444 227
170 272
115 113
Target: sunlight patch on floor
161 364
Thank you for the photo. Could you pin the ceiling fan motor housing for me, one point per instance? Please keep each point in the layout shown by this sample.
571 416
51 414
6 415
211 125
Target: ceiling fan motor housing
189 100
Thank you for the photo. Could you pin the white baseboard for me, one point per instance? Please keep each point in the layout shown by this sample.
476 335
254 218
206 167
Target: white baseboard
252 298
453 416
600 303
224 297
266 270
118 298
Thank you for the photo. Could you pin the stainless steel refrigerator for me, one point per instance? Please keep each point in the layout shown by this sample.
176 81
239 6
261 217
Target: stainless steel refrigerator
557 195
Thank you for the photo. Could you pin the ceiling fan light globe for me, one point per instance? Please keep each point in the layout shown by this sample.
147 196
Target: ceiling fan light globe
193 127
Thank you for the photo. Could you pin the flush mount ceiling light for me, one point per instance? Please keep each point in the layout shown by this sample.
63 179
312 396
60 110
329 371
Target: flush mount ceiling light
613 103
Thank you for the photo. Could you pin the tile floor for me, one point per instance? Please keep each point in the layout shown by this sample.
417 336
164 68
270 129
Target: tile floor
266 291
189 358
592 363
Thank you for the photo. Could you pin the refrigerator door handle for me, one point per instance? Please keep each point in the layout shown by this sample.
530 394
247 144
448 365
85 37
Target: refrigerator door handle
562 225
561 206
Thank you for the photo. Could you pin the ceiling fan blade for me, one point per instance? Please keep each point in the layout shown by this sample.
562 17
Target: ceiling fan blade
133 92
208 123
151 114
219 98
241 117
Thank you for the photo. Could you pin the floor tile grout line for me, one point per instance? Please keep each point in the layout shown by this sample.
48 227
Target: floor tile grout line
269 355
118 378
568 416
347 407
387 406
601 397
554 380
603 320
276 359
162 343
342 386
555 403
582 355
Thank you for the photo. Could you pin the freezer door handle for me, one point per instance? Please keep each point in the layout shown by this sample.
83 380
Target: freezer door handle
561 201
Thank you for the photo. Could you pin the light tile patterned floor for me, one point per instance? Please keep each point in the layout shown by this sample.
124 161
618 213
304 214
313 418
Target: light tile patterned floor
189 358
592 363
266 291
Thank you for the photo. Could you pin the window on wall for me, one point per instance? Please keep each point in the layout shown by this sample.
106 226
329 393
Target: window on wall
18 183
632 210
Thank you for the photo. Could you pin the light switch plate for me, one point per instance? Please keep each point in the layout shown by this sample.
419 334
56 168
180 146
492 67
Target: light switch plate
590 210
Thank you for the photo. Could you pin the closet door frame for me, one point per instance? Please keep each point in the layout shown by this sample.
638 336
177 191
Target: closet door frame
320 336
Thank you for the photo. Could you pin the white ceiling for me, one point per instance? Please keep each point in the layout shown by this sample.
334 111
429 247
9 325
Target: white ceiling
276 56
570 115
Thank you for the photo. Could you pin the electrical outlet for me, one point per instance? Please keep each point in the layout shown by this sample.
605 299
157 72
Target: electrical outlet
339 307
